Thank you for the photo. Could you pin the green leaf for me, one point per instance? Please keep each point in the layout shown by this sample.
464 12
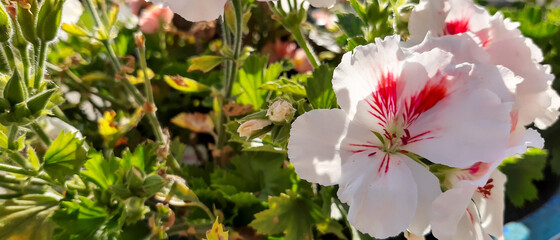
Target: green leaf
205 63
252 76
27 217
522 170
288 214
79 219
350 24
101 171
65 156
319 88
75 30
256 172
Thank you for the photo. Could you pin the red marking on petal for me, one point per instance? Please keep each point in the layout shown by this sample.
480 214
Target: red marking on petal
457 26
514 115
470 216
384 166
478 169
486 191
432 93
384 99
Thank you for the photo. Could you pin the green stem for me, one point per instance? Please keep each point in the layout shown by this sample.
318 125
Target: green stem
21 161
8 56
152 118
232 70
13 169
24 52
41 133
40 71
77 82
303 43
139 99
12 136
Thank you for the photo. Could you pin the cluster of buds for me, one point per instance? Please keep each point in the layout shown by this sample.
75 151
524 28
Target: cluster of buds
280 113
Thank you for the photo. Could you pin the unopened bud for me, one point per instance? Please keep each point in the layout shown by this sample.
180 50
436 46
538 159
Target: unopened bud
5 25
140 40
280 111
39 101
15 91
49 19
27 17
248 128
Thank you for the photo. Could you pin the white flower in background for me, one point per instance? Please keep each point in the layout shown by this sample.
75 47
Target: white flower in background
195 10
394 103
72 10
470 212
280 111
501 39
54 126
249 127
209 10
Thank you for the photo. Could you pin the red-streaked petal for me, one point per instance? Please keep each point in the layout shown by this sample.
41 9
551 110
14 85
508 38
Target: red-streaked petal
381 204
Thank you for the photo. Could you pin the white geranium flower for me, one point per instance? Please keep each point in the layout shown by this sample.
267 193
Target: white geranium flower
470 212
395 102
501 39
209 10
72 10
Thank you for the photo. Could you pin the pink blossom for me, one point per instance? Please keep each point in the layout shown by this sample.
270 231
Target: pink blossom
153 17
135 5
301 62
278 50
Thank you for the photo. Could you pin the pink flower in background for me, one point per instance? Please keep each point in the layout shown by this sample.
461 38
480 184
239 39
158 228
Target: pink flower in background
300 61
278 50
536 100
135 5
396 103
153 17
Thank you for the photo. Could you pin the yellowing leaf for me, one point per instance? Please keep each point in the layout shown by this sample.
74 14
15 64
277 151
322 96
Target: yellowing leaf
196 122
205 63
184 84
106 124
217 232
75 30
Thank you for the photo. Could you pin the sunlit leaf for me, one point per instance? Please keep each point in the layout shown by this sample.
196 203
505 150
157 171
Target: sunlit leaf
205 63
184 84
522 170
65 156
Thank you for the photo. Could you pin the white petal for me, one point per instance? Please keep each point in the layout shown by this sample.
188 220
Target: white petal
469 227
428 190
381 204
322 3
358 73
491 209
427 16
461 123
195 10
449 208
314 145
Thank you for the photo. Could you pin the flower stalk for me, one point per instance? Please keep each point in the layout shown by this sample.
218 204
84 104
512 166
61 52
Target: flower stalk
231 67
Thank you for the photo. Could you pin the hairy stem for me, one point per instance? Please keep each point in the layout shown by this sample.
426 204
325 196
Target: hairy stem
231 69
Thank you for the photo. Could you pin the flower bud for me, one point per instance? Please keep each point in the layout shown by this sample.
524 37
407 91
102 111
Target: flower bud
15 91
280 111
248 128
26 17
39 101
49 19
5 25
